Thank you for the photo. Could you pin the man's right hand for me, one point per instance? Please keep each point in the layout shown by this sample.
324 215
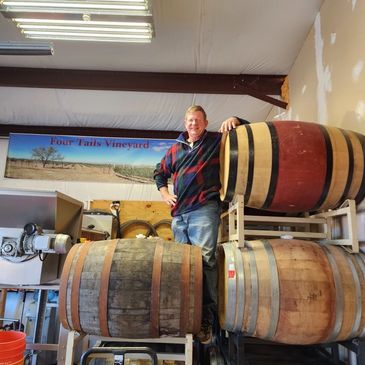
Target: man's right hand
169 199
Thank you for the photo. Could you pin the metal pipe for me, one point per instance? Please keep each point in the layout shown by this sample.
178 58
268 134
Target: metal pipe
26 49
352 357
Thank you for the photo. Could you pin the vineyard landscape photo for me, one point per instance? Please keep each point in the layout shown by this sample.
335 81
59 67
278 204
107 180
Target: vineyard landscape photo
75 158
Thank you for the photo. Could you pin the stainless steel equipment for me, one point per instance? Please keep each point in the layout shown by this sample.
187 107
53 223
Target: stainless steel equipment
36 229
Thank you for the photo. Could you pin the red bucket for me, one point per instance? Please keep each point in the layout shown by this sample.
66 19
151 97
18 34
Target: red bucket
20 362
12 347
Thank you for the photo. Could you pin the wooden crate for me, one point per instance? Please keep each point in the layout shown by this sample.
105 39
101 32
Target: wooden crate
151 211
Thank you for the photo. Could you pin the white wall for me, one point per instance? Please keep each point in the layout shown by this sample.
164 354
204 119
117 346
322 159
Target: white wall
327 80
83 191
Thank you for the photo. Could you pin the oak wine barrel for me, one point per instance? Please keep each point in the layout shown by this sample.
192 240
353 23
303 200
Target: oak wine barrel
291 291
132 288
290 166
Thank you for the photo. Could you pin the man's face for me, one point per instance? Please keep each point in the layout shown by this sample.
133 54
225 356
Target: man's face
195 125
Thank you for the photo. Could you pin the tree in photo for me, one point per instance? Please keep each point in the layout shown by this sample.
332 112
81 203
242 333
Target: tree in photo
45 155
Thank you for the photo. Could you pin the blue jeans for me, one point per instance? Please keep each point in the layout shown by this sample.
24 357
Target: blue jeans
200 228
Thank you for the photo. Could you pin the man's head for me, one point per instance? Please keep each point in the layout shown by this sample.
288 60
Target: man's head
195 122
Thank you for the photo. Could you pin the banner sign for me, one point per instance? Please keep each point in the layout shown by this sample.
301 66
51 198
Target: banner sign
79 158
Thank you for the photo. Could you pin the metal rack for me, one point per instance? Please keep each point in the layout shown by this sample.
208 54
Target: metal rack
120 352
182 352
238 349
235 225
35 345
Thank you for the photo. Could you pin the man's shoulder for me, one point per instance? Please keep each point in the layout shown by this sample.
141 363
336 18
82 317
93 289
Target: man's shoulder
216 136
175 146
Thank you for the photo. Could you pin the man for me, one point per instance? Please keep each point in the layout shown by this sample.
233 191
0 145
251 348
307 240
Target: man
193 163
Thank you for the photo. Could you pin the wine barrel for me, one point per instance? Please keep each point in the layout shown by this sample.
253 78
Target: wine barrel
291 291
132 288
289 166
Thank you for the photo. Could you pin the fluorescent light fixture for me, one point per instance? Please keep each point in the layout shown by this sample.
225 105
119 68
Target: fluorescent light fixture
88 38
87 30
81 34
109 20
94 26
26 49
81 22
115 7
83 28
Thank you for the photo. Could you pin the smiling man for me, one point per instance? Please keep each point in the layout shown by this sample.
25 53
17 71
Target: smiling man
193 164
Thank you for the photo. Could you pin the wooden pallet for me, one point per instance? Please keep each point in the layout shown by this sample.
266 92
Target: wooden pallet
150 211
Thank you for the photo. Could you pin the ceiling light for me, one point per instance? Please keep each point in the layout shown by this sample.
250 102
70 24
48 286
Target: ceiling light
82 34
123 27
90 30
24 49
88 38
82 22
83 28
81 7
118 20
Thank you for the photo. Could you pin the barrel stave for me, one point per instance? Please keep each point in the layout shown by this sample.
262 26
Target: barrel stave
358 168
348 305
306 292
339 169
265 305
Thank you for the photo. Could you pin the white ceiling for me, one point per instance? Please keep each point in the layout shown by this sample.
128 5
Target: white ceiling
192 36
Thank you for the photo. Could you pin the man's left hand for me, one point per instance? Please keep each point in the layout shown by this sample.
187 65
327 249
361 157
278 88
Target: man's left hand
229 124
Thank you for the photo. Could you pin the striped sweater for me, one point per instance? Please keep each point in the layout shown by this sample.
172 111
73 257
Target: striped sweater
194 171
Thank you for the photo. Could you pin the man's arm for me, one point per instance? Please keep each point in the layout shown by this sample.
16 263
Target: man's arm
169 199
161 183
231 123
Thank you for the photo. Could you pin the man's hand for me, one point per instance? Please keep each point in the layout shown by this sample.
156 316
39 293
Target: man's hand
229 124
169 199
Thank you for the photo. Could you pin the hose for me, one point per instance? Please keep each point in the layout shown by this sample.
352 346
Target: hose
150 227
160 223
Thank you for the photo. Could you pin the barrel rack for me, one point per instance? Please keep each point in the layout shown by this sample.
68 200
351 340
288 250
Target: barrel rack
183 346
323 226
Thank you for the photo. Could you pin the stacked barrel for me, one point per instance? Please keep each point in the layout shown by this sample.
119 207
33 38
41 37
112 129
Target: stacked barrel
289 166
292 291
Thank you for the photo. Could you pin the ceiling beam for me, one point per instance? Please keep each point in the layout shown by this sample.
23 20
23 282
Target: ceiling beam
6 129
257 86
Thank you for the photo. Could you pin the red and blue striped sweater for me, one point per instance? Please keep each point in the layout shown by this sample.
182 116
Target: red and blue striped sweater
194 171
